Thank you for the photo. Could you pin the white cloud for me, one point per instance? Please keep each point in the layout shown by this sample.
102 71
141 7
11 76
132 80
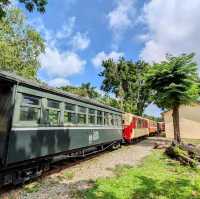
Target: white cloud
98 59
121 17
173 27
56 64
58 82
80 41
67 29
61 64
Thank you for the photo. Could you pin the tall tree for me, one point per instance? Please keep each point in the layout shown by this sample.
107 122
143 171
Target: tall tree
174 83
89 90
143 92
20 45
126 80
30 5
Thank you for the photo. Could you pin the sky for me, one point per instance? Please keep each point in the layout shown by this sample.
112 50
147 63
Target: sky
80 34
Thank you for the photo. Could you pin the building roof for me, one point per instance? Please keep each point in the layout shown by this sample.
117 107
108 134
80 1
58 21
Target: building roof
16 79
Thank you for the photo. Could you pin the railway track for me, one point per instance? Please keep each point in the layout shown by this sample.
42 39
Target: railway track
61 165
55 168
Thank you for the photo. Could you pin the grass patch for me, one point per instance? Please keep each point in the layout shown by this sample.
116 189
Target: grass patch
32 187
68 175
158 177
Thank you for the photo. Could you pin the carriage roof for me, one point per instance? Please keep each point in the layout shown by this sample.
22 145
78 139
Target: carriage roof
16 79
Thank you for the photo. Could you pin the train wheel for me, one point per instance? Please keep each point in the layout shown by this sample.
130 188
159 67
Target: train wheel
116 146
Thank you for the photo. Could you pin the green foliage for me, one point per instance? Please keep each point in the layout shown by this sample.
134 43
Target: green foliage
157 177
20 45
110 101
68 175
85 90
174 81
29 4
126 80
32 187
89 91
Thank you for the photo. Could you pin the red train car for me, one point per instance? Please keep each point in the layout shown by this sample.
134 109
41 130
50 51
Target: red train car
134 127
161 127
152 127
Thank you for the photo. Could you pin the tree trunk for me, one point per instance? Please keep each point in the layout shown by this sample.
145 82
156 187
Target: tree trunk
175 116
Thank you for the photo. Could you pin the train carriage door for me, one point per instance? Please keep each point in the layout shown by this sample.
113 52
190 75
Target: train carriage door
5 115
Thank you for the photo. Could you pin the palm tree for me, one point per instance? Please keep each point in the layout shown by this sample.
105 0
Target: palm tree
174 82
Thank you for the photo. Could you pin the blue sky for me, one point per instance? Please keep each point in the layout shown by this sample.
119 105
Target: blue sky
80 34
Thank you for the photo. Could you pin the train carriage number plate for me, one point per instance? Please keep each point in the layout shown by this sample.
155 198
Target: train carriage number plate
94 136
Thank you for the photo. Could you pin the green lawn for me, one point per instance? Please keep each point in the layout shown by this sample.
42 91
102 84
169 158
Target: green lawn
157 177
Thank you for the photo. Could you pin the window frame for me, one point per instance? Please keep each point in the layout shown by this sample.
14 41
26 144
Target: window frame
92 115
24 105
100 116
53 109
82 113
70 111
106 119
117 120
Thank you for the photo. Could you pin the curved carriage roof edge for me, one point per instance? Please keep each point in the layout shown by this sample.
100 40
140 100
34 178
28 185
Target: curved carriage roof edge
42 86
137 116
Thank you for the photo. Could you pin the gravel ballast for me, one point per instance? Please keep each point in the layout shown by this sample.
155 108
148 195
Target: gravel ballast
63 184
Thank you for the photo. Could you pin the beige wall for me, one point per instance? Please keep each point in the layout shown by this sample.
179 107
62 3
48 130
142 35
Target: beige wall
189 122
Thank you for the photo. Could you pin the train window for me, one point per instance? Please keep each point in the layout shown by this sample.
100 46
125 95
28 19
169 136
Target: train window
91 111
117 120
82 109
70 107
69 114
99 117
53 104
29 113
69 117
112 120
30 108
30 100
91 116
53 116
139 123
106 118
82 114
82 118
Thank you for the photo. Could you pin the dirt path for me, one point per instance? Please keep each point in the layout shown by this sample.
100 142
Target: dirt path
62 184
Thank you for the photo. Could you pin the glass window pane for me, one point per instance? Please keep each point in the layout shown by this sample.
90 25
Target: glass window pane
31 100
91 111
119 121
69 117
99 117
91 119
99 120
139 123
99 113
112 119
53 116
106 118
29 114
69 107
81 118
53 104
82 109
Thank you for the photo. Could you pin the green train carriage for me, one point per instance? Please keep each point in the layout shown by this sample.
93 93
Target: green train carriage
38 123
